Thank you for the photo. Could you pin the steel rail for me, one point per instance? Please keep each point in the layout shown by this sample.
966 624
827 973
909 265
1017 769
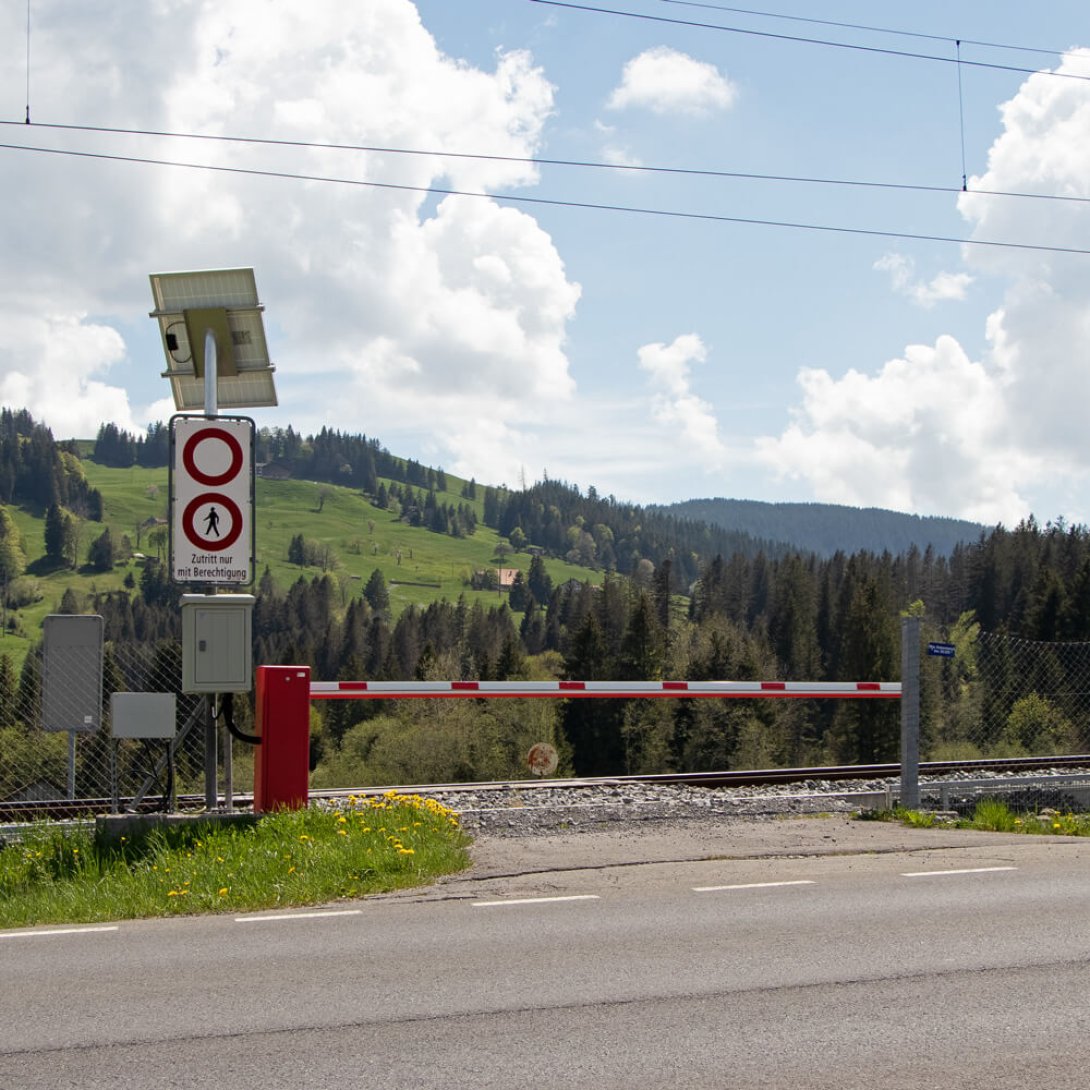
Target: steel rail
12 812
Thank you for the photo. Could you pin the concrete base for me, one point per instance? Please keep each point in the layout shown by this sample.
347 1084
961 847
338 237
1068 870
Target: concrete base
110 828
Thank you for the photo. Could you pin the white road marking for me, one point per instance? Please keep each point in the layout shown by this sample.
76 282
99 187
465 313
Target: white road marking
537 900
299 916
752 885
942 873
57 931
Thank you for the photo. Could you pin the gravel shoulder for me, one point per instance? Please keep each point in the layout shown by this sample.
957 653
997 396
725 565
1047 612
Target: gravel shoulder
693 840
537 831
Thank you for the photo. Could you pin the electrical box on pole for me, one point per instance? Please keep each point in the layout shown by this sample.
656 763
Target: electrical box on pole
217 643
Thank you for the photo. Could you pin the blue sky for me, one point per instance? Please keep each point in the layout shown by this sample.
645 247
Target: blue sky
656 357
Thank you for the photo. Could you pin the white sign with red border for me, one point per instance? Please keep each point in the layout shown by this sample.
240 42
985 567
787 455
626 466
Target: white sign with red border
212 499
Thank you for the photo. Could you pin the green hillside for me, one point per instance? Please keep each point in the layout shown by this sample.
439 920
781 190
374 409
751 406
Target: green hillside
355 536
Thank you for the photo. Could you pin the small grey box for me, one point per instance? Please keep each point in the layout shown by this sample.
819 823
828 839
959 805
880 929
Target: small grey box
143 715
217 643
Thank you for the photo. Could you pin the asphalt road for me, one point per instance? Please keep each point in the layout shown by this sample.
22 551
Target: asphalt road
955 965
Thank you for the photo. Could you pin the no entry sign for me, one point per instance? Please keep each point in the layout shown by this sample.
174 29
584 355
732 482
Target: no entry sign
212 499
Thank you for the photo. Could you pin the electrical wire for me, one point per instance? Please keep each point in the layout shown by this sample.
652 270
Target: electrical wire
27 122
886 52
589 164
706 217
863 26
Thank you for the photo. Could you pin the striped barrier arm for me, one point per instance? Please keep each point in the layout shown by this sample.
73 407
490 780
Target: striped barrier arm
802 690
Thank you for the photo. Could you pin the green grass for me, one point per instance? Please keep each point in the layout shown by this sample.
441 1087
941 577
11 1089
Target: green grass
361 536
301 857
992 815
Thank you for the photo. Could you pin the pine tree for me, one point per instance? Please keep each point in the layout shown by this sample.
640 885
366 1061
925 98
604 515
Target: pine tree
378 597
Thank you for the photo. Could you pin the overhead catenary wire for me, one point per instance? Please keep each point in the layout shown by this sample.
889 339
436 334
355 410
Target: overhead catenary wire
556 203
961 123
27 62
541 161
868 28
805 40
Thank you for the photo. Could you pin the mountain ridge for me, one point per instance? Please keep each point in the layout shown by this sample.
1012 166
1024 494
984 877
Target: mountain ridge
826 529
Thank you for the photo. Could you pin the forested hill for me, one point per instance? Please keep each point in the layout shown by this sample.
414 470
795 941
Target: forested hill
826 528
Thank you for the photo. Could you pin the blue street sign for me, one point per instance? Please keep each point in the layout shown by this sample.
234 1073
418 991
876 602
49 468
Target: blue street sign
946 650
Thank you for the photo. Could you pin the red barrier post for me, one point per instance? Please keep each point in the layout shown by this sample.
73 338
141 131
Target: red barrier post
282 761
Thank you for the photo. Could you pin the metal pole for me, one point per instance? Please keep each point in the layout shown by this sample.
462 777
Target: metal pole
211 797
910 713
228 772
71 764
211 408
211 397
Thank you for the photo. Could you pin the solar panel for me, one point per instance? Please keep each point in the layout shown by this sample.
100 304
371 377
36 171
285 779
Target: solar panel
187 305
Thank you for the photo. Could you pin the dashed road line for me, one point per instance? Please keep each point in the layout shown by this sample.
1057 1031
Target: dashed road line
752 885
944 873
299 916
58 931
536 900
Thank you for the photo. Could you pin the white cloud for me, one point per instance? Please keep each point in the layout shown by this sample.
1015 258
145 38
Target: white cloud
937 432
674 405
944 287
64 388
613 151
391 311
926 433
666 81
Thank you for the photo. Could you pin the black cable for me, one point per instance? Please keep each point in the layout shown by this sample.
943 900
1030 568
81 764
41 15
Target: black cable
706 217
590 164
861 26
803 40
961 126
226 712
27 122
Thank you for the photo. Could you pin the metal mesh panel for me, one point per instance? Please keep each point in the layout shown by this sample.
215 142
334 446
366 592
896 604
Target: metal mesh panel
36 764
1003 696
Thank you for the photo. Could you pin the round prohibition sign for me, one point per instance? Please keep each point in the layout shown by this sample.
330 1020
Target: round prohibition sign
212 545
189 456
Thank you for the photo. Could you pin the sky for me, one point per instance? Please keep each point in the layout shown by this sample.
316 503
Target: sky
833 252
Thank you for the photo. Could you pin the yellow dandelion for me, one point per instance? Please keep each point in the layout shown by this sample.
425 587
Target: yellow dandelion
223 891
342 832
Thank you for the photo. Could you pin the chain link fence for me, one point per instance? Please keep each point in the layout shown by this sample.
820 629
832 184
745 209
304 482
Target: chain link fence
997 696
90 764
1001 696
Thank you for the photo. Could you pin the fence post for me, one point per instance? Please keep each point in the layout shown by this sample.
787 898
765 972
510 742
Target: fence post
910 713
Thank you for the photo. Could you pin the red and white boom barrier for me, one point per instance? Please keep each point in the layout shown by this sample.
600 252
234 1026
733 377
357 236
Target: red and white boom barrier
802 690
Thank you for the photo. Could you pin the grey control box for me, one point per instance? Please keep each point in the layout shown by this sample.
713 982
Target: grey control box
217 643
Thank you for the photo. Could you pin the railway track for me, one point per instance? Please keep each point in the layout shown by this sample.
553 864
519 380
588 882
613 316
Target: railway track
61 809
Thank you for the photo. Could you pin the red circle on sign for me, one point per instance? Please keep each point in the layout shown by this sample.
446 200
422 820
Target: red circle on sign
213 545
190 462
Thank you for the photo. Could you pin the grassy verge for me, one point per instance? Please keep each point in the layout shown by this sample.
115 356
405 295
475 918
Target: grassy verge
302 857
991 815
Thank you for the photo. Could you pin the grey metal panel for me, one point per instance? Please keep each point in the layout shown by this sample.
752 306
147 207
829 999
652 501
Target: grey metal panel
143 715
72 672
217 634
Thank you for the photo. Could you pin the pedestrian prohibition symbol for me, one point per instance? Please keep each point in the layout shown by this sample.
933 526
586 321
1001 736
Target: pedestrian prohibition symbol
211 497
